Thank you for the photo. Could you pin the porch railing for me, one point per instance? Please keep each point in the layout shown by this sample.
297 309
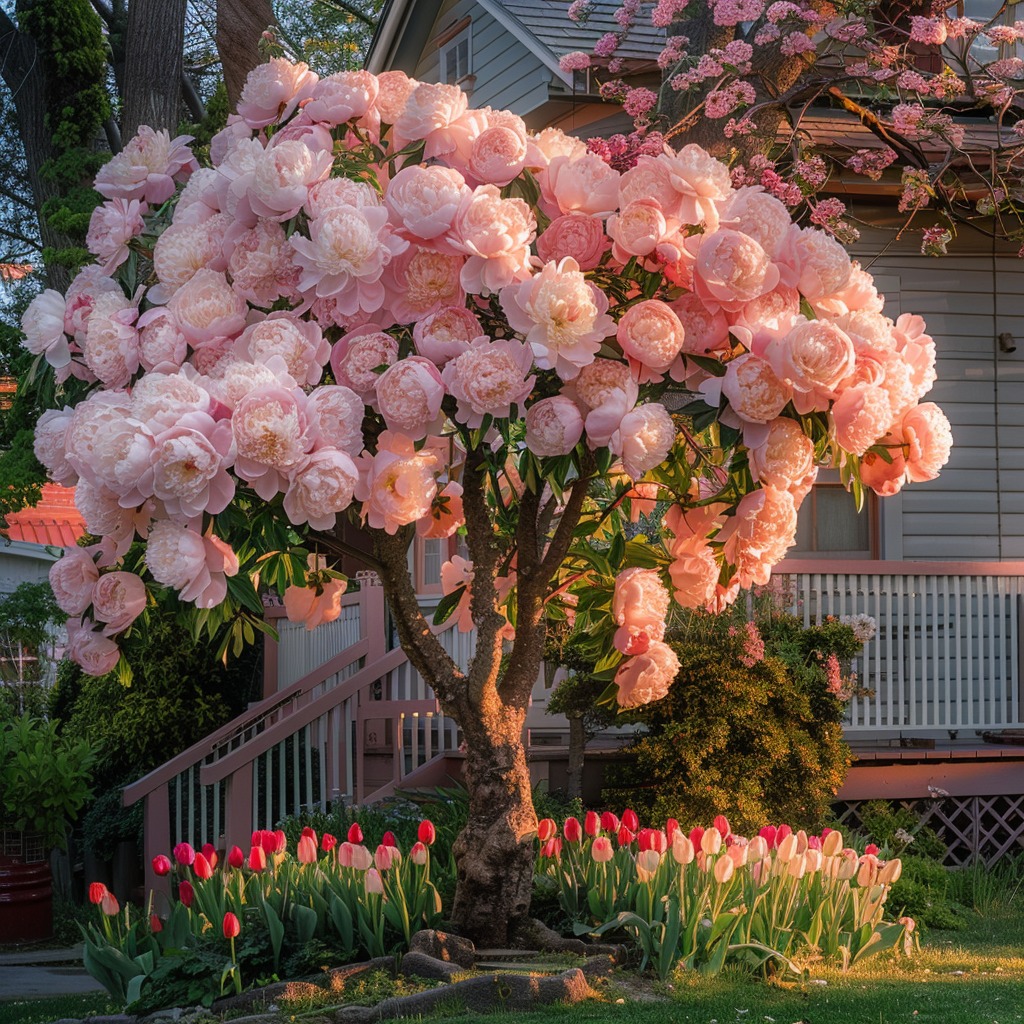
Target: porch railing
351 728
947 654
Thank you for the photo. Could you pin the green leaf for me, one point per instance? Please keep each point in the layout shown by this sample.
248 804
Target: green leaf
713 366
447 605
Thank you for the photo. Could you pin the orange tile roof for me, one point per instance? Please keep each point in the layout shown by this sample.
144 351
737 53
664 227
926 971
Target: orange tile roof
54 520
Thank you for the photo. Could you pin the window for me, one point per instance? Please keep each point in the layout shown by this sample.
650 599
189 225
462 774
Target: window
829 525
456 57
429 554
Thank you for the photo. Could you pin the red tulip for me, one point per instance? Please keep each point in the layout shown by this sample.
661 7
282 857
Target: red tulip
546 829
97 890
236 857
258 859
426 833
309 833
782 832
186 893
814 842
552 848
609 823
210 853
184 854
280 842
768 834
231 925
328 842
155 924
355 833
592 823
872 849
201 866
625 837
671 828
109 905
572 830
630 820
696 836
388 839
652 839
161 865
721 822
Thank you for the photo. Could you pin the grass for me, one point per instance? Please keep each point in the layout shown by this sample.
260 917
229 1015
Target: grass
975 976
42 1011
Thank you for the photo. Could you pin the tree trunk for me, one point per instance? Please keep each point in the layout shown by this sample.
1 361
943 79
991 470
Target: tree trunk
577 752
153 65
495 851
240 24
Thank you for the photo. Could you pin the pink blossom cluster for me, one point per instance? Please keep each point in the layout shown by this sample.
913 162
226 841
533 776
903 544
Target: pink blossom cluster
871 162
331 336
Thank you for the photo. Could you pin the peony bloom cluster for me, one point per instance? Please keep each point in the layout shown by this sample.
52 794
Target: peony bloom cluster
324 331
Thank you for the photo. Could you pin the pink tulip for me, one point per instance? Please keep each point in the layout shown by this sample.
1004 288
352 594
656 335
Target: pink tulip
307 850
572 830
671 828
309 833
184 854
161 865
601 850
546 829
373 882
724 869
280 842
387 857
109 905
418 854
697 836
552 848
768 834
345 854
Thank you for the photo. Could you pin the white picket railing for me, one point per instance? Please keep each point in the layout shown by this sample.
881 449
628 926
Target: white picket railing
947 653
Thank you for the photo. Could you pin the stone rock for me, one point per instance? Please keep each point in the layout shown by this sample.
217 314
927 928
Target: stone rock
535 934
598 966
353 1014
424 966
115 1018
444 946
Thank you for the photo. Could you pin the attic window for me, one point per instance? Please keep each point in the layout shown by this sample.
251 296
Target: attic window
456 57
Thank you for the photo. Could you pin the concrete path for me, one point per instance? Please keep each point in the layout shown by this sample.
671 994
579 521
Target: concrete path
35 974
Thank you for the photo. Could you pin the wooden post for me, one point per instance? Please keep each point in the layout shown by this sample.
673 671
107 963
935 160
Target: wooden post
156 818
238 821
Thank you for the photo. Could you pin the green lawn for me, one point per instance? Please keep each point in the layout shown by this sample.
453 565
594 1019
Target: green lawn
42 1011
969 977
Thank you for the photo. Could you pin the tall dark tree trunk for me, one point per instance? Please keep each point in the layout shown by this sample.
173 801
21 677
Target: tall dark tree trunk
23 75
153 65
240 24
577 755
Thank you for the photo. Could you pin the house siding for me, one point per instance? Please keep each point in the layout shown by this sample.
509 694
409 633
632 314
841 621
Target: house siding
514 79
975 509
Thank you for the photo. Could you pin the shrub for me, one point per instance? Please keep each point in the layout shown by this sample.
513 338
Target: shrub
899 829
758 742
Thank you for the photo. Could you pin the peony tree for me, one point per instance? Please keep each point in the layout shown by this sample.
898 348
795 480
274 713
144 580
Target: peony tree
937 96
379 305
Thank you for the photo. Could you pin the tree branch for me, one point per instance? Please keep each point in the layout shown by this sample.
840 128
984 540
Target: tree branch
347 8
569 519
191 97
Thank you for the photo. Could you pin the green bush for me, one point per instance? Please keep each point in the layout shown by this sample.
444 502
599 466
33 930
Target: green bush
759 743
922 893
898 829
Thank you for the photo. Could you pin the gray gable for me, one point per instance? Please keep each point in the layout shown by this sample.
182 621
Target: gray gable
547 21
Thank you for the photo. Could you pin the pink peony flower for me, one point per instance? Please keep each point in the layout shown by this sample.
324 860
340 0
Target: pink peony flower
760 216
341 97
73 578
639 228
189 466
927 434
646 677
206 307
751 387
420 282
409 396
495 234
118 599
813 357
639 606
430 111
651 337
261 264
111 347
445 334
497 154
162 346
314 605
50 445
272 434
300 344
356 357
273 90
562 316
731 268
756 538
574 234
147 168
862 416
43 324
283 176
345 255
94 653
196 566
489 378
112 226
786 456
644 438
554 426
397 485
822 264
687 185
423 200
336 418
393 91
320 486
704 330
580 184
183 249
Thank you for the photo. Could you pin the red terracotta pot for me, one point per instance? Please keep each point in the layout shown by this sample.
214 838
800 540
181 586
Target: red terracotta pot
26 900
